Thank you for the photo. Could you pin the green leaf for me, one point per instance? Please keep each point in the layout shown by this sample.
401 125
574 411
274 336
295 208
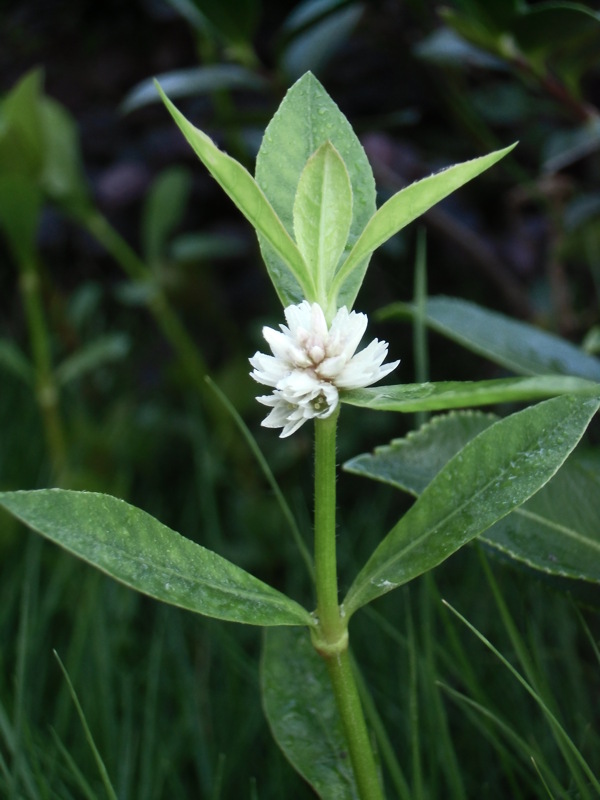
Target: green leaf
408 204
410 464
323 215
493 474
300 708
21 131
193 82
104 349
556 531
137 550
163 210
20 205
517 346
410 397
13 360
62 177
306 119
290 269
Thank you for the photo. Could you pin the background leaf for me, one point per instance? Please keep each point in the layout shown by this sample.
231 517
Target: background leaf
302 714
493 474
306 119
142 553
556 531
522 348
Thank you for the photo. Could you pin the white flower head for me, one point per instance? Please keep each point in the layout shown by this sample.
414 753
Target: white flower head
311 363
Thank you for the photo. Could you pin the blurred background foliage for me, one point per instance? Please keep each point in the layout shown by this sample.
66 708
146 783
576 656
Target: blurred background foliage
127 276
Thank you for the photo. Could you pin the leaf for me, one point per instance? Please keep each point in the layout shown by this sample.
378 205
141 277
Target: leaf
408 204
410 464
301 711
20 205
517 346
306 119
193 82
12 359
62 177
245 192
409 397
163 210
112 347
314 32
493 474
137 550
556 531
322 215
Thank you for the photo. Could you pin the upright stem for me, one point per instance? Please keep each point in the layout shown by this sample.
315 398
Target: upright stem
45 384
331 640
158 304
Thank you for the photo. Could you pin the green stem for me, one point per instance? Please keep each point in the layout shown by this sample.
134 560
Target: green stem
45 385
158 304
331 638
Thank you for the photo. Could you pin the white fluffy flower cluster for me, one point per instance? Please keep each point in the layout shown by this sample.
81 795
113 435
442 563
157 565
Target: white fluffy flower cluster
311 363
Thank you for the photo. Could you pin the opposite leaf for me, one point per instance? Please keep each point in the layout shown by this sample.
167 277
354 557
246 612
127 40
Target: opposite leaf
411 397
406 206
137 550
492 475
322 215
301 711
290 273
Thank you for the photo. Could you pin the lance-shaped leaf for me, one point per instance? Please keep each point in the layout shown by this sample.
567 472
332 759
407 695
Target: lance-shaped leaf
493 474
139 551
302 714
306 118
410 397
557 531
322 215
406 206
290 272
520 347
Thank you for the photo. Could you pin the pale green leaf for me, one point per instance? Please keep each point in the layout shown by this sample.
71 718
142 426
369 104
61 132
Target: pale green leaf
322 215
236 181
301 711
520 347
410 397
306 119
139 551
408 204
493 474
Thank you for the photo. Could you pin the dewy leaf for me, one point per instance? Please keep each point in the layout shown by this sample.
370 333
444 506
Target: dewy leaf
493 474
136 549
410 397
302 714
556 531
306 119
323 215
290 274
408 204
520 347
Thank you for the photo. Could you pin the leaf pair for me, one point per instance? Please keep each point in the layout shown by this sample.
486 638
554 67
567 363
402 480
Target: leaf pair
312 202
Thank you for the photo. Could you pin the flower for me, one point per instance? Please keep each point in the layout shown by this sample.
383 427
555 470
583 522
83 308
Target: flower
311 363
